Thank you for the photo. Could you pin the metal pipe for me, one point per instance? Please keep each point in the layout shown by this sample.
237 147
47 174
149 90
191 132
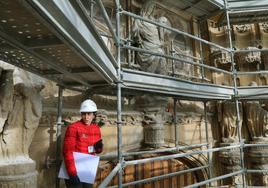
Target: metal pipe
215 179
107 180
174 30
172 61
201 53
107 19
175 58
251 50
238 11
190 56
207 140
235 94
256 171
176 123
140 161
112 156
255 145
253 72
92 2
119 97
58 134
16 44
156 178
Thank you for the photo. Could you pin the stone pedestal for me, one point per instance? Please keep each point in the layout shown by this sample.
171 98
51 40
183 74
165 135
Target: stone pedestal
258 158
154 134
230 160
19 173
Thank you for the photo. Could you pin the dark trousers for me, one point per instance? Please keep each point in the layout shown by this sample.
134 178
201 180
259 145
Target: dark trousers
80 185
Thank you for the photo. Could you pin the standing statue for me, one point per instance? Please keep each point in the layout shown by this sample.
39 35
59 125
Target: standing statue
256 118
150 37
20 112
227 118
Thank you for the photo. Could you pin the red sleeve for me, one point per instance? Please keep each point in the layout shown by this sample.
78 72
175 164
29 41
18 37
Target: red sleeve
68 149
98 134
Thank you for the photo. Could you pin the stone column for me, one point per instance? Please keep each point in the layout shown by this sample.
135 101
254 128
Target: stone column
230 160
153 120
20 111
258 158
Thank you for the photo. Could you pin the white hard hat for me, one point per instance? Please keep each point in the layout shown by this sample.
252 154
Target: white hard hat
88 106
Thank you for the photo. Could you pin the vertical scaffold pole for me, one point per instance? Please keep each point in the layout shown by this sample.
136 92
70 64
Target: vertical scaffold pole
175 123
58 134
235 93
207 140
201 52
119 97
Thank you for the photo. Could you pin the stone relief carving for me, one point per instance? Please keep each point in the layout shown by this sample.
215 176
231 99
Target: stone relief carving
20 111
149 37
227 119
6 93
24 114
220 57
242 28
248 57
256 118
264 26
182 68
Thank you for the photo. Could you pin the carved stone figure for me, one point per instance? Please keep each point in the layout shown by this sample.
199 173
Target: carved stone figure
149 37
182 68
227 117
20 111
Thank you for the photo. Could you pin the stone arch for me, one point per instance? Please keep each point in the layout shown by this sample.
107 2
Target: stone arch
156 168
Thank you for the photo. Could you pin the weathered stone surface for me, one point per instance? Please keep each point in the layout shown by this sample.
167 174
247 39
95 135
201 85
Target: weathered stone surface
21 109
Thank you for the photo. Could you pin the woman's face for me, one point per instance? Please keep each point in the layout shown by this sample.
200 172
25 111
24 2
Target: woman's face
87 117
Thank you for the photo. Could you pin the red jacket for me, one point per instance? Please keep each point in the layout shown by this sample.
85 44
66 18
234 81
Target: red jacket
78 137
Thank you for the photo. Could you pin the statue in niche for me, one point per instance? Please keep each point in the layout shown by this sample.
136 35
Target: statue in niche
149 37
227 117
182 68
24 111
257 118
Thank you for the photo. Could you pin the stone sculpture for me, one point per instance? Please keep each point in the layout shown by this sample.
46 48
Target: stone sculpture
227 117
248 57
149 37
20 111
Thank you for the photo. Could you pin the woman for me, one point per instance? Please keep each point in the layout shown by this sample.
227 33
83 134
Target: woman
83 136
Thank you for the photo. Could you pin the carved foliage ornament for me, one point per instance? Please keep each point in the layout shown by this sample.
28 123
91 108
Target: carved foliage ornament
264 26
242 28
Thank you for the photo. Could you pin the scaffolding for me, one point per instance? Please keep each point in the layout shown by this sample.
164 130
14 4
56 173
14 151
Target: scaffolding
235 97
116 75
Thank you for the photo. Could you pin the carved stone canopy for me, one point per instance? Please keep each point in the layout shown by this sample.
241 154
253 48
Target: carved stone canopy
220 57
248 57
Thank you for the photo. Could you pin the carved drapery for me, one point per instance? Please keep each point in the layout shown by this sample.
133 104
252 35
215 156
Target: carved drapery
20 111
227 118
